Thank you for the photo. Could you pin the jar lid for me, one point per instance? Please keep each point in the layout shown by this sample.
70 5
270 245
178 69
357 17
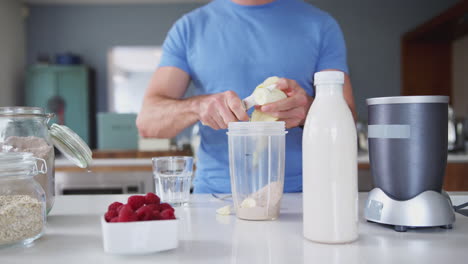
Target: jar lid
20 162
71 145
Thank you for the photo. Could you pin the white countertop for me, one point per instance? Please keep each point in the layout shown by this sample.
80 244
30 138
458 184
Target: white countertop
74 236
363 158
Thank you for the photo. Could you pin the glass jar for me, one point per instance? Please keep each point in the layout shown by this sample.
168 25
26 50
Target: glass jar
25 129
22 199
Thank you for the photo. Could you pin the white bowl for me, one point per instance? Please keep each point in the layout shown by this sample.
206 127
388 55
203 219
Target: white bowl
139 237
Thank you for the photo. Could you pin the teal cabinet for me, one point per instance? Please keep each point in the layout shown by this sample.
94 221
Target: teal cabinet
63 90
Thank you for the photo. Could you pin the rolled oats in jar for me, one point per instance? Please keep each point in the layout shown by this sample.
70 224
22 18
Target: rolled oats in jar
22 199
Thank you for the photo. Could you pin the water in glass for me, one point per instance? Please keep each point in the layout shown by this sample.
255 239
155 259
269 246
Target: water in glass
172 176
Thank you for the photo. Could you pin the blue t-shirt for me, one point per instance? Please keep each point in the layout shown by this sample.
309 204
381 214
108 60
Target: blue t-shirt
225 46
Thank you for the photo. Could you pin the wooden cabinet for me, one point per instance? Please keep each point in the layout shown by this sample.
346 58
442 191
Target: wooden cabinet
426 62
124 154
456 177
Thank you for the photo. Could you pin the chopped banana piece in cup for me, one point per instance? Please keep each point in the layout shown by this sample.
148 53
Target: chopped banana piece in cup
248 203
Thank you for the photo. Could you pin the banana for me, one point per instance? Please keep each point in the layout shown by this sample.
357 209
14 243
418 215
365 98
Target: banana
264 95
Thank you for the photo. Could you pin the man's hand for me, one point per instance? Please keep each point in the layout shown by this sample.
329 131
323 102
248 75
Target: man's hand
292 110
217 110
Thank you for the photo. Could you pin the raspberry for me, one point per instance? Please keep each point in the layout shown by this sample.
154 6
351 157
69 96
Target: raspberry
152 198
167 214
145 213
126 209
114 220
110 214
136 201
126 214
154 207
156 215
114 206
165 206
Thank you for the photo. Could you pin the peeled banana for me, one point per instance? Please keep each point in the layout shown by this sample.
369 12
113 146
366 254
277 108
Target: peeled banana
263 96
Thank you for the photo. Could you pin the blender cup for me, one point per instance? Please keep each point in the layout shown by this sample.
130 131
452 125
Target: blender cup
256 162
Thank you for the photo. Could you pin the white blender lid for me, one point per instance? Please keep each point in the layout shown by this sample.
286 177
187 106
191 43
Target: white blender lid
422 99
256 128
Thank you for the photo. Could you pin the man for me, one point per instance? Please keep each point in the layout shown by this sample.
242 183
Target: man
226 48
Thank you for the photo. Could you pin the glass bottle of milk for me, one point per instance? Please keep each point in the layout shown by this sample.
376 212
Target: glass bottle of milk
329 145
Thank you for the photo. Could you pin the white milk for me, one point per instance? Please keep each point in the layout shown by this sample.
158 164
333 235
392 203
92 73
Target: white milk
330 165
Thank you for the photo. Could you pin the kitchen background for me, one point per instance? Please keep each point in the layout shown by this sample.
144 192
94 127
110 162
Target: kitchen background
105 33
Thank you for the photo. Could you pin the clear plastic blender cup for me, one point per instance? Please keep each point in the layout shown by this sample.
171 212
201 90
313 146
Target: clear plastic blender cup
256 162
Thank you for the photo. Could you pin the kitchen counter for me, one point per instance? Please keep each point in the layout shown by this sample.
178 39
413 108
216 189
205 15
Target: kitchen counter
74 236
62 162
363 158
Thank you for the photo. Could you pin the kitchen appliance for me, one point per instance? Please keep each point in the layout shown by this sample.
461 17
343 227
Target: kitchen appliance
102 182
408 155
452 130
461 130
113 127
456 132
129 71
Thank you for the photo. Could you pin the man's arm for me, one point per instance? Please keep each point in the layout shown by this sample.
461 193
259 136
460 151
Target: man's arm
349 97
164 114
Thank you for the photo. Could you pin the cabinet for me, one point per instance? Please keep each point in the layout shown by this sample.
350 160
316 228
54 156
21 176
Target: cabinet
65 91
426 63
456 177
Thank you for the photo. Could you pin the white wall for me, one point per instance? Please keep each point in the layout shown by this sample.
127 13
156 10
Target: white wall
460 77
12 51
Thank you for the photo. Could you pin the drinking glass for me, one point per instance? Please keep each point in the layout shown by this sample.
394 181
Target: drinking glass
172 177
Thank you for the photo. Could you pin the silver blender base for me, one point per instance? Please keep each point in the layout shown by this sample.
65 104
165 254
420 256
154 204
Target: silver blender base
428 209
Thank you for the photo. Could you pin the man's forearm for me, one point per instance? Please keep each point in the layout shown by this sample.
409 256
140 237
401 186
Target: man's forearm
166 117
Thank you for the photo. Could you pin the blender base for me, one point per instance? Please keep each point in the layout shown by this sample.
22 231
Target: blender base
427 209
